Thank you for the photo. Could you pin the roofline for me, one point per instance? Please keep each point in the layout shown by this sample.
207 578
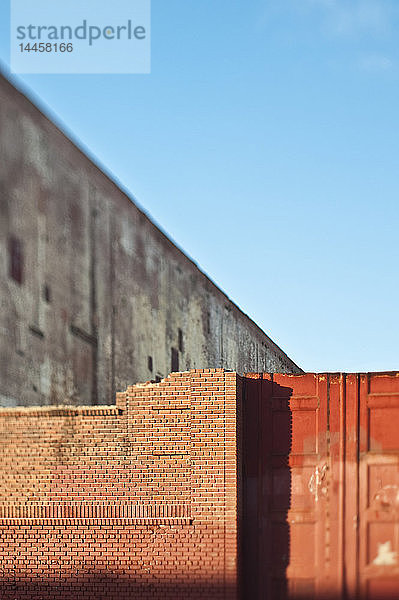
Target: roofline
45 111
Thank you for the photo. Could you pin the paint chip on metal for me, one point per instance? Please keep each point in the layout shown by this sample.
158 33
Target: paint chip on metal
385 555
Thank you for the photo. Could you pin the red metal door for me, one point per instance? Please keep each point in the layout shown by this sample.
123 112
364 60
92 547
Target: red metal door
379 486
298 463
323 520
286 470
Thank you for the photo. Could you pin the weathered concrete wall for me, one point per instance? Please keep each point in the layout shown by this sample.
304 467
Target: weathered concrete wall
105 296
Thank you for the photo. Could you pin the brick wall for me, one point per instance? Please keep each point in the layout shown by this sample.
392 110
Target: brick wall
137 500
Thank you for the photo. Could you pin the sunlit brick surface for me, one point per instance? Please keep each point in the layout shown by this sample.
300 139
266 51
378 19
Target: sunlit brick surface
133 501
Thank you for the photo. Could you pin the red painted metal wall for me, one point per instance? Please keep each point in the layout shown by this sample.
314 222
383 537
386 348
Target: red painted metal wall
321 486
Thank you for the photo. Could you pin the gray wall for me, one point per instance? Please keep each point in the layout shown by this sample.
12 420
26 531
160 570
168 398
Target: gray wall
119 289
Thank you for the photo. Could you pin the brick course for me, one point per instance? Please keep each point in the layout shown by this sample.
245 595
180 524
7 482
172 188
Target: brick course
138 500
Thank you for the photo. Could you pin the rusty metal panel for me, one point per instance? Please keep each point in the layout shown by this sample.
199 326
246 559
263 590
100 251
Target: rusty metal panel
286 425
351 485
322 513
300 468
379 486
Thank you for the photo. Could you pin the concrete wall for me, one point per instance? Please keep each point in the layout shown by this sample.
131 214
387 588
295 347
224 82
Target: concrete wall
105 298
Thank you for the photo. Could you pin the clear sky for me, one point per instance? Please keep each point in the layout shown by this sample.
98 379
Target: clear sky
266 143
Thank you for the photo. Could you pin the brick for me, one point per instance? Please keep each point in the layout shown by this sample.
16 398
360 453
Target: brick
138 499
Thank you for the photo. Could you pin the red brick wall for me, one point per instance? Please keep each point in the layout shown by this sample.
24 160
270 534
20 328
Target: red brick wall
133 501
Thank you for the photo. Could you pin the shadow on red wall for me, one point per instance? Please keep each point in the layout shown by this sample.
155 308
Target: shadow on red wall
264 530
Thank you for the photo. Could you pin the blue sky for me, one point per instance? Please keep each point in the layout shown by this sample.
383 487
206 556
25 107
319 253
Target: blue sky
265 141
